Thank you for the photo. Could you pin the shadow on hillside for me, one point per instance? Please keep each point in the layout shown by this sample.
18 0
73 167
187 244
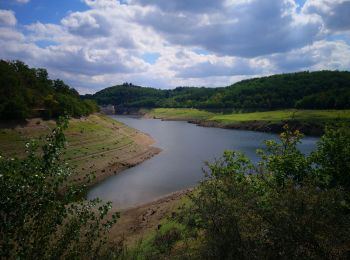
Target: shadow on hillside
13 123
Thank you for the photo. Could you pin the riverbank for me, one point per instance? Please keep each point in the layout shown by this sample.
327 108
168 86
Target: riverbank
95 144
309 122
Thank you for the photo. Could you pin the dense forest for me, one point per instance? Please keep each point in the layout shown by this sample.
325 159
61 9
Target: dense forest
129 95
309 90
28 92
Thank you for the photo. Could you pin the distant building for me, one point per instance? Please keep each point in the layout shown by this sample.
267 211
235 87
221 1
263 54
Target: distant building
107 109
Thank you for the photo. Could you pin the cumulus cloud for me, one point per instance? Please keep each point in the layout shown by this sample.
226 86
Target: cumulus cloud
322 55
192 6
8 35
248 29
237 39
90 62
7 18
87 24
334 13
107 4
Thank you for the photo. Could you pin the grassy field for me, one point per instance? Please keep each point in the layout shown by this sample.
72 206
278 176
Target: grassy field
96 144
179 113
314 116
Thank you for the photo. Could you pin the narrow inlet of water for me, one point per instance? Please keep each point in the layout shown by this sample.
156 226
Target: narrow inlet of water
179 166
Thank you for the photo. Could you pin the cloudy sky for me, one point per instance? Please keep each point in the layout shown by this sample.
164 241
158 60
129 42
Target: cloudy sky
92 44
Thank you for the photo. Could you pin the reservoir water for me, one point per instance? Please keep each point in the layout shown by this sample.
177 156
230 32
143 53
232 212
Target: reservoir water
185 148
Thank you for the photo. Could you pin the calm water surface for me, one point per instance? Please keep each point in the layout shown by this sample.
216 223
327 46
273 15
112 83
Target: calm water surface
185 149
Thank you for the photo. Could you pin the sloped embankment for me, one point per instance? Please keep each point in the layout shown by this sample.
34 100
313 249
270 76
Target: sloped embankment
95 144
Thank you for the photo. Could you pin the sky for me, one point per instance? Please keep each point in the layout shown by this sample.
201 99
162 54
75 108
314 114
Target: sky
93 44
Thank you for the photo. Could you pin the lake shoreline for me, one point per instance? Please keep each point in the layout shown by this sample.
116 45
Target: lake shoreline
144 151
147 151
309 129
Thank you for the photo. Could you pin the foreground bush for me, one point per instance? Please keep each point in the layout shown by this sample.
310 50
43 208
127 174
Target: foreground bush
290 206
41 215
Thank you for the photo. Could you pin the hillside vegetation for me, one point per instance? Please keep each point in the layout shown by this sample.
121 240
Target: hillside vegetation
304 90
28 92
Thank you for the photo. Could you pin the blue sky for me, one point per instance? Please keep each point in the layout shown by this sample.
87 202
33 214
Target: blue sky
92 44
46 11
151 57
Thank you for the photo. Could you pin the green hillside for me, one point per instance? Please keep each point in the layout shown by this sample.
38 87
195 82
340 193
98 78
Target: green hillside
28 92
129 95
304 90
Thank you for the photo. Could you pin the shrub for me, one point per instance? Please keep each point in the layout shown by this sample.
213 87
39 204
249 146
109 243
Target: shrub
41 214
289 206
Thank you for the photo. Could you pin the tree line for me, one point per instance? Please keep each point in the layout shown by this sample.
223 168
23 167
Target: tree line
304 90
28 92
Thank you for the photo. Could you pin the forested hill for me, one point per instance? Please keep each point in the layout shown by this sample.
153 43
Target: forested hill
311 90
128 95
28 92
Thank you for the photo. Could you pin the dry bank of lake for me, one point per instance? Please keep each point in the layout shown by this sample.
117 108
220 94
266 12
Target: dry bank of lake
95 144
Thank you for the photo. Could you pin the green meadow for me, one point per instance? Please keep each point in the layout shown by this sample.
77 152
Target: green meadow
308 116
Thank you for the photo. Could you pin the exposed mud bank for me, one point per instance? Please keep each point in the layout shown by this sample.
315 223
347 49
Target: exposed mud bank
261 126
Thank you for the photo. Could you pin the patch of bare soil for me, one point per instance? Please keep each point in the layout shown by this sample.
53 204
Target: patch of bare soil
104 169
135 223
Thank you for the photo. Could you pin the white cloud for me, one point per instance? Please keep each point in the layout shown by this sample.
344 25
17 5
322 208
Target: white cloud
23 1
7 18
105 45
247 29
104 4
334 13
322 55
8 35
87 24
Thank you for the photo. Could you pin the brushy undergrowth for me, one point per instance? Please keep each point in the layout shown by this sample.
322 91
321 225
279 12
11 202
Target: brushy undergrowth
42 215
289 206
